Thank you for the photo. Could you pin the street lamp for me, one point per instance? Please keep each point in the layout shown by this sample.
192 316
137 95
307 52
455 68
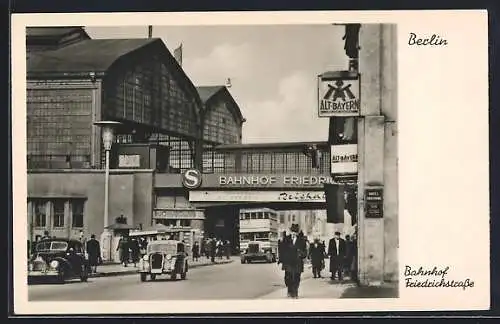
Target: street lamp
107 132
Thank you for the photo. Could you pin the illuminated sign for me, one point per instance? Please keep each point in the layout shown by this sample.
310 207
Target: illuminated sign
129 161
258 196
191 179
338 97
344 159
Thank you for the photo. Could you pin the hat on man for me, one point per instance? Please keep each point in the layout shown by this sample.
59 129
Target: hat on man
337 233
294 228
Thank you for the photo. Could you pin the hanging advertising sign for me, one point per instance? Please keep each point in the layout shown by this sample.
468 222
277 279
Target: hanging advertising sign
338 94
344 159
129 161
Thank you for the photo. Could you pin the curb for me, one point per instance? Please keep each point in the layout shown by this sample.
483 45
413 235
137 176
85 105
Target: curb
131 272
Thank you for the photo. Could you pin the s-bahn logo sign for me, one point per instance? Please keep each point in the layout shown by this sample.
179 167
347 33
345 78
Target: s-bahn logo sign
338 97
191 179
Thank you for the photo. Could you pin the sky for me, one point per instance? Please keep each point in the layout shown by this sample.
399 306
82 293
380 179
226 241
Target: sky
273 71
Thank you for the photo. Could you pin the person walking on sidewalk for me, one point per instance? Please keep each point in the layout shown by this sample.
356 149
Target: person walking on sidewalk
213 249
336 251
294 252
317 256
123 249
94 252
196 251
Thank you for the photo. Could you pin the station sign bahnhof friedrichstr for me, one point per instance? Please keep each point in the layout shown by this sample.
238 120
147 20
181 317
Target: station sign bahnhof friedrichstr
248 187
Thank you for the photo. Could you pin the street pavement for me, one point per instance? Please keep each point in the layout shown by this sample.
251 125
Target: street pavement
224 281
220 281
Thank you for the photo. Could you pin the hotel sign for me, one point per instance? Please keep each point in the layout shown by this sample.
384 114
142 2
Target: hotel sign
178 214
344 159
338 96
374 198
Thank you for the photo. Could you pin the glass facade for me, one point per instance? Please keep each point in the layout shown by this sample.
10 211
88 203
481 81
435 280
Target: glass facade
264 161
149 94
59 128
220 126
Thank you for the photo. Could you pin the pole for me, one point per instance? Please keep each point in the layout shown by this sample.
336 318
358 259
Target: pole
106 191
107 237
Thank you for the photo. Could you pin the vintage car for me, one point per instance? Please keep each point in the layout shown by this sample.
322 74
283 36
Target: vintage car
59 259
257 251
164 257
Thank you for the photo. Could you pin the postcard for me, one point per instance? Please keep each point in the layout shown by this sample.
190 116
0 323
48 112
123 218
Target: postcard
234 162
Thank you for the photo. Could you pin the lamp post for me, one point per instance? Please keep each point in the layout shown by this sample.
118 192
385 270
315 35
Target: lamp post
107 132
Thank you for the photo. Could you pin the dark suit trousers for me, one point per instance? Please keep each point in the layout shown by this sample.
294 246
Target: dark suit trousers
336 266
292 281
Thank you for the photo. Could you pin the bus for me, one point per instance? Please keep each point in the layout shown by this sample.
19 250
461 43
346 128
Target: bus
259 227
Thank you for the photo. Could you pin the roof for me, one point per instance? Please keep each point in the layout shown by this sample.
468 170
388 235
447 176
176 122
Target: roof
208 92
268 145
58 239
93 55
246 210
52 31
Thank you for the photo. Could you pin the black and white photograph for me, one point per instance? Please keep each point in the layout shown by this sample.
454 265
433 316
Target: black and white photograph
229 162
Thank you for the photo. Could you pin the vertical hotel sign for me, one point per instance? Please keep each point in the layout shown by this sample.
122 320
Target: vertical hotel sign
338 94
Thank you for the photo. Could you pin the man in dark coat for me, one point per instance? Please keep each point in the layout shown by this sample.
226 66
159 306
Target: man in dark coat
317 256
294 251
336 251
213 249
94 252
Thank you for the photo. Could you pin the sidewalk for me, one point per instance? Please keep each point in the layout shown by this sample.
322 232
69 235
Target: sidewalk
326 288
116 269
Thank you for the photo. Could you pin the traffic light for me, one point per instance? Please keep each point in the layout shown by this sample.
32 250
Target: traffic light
313 152
351 38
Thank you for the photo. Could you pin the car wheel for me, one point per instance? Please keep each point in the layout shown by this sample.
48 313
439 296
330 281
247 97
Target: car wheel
84 274
153 276
143 277
61 278
173 276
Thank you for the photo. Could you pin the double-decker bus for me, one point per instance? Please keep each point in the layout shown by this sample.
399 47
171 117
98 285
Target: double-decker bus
258 234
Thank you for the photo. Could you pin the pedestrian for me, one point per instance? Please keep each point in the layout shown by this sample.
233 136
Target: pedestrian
123 250
196 251
213 249
348 256
227 249
354 263
134 250
94 252
46 235
336 252
293 254
280 245
317 257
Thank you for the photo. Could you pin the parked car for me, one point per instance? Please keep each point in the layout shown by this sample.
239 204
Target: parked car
257 252
59 259
164 257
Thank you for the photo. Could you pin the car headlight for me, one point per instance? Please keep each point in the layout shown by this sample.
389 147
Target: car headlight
169 257
30 267
54 264
145 257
